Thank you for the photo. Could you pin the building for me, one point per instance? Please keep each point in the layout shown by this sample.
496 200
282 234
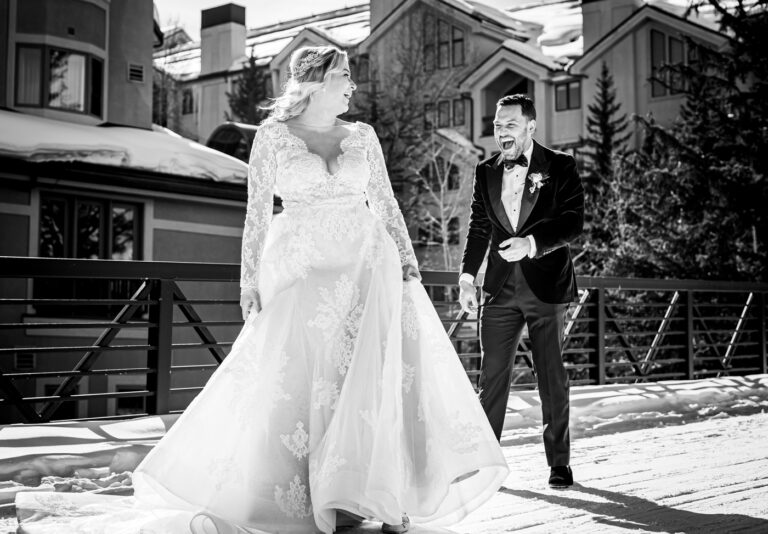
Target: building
469 53
85 174
205 71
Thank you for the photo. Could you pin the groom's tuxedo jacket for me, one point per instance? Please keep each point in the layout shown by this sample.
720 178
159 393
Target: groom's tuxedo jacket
553 214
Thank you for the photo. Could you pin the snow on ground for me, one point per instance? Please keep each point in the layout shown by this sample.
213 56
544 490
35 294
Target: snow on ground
660 457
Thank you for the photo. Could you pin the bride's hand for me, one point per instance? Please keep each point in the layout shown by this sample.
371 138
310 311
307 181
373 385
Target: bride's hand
250 300
411 271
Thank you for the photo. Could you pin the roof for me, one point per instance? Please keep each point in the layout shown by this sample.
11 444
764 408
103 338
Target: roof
701 25
38 139
345 27
518 54
478 9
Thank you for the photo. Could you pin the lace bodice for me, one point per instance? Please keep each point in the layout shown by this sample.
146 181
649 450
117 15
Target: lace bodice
281 162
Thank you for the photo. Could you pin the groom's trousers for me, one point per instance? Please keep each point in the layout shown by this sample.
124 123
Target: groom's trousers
501 325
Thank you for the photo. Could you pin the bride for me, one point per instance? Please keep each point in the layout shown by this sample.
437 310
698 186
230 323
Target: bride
342 393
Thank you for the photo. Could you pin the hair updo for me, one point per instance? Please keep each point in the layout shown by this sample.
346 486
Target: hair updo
310 67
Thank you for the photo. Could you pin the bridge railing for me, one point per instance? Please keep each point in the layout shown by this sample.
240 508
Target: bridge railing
100 338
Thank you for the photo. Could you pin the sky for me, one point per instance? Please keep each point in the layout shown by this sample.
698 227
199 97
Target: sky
186 13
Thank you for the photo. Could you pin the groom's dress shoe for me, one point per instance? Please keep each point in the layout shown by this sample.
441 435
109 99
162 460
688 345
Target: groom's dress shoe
560 477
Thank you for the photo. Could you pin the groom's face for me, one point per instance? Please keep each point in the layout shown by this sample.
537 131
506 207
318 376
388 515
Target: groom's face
512 130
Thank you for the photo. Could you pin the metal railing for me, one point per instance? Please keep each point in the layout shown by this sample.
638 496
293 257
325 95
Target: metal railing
99 338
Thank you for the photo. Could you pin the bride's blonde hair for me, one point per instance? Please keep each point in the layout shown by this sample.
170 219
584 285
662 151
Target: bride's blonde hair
310 67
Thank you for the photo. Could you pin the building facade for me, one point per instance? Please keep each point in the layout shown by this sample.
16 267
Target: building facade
85 174
466 56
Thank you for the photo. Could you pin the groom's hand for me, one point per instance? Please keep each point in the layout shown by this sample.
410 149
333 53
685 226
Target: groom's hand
514 248
467 297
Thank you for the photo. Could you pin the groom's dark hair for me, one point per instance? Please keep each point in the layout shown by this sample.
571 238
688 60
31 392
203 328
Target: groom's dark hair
525 103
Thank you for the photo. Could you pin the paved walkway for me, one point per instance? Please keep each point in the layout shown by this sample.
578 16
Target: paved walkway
699 470
709 476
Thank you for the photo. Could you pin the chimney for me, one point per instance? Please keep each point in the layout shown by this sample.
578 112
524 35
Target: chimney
601 16
222 35
380 9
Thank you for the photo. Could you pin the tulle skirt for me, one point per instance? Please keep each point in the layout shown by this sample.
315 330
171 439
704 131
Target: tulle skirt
344 393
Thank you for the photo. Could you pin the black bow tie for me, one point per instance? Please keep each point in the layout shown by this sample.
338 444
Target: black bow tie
509 164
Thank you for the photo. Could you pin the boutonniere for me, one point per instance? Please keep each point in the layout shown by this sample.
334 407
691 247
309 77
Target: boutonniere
538 181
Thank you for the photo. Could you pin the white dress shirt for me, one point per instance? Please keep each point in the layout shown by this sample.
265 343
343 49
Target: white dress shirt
512 190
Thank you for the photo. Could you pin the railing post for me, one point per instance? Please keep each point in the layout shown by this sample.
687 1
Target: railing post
690 359
763 352
159 357
600 333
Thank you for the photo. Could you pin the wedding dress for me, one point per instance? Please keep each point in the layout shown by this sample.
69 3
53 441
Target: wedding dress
344 392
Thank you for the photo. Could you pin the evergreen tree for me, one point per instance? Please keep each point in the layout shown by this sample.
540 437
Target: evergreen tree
250 92
606 139
606 135
695 196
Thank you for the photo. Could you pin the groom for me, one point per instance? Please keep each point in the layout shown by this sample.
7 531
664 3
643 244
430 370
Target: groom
528 204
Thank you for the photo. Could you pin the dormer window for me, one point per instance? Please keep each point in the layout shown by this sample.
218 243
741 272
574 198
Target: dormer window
666 51
443 44
56 78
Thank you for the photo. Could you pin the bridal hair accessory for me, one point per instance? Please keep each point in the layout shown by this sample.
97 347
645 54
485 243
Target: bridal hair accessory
537 181
306 63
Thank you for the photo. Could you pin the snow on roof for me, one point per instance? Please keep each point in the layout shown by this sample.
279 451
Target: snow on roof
38 139
561 37
532 53
350 27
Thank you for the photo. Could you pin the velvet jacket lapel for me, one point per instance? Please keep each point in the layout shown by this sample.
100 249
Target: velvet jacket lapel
539 164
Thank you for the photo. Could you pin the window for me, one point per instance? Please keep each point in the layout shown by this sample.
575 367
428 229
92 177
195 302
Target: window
444 113
676 54
59 79
86 227
453 231
187 102
443 44
429 116
454 177
658 57
432 175
459 112
66 87
363 74
429 42
666 51
568 95
458 47
29 82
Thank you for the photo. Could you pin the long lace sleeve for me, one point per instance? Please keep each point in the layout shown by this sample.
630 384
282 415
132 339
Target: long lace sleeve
382 201
261 184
